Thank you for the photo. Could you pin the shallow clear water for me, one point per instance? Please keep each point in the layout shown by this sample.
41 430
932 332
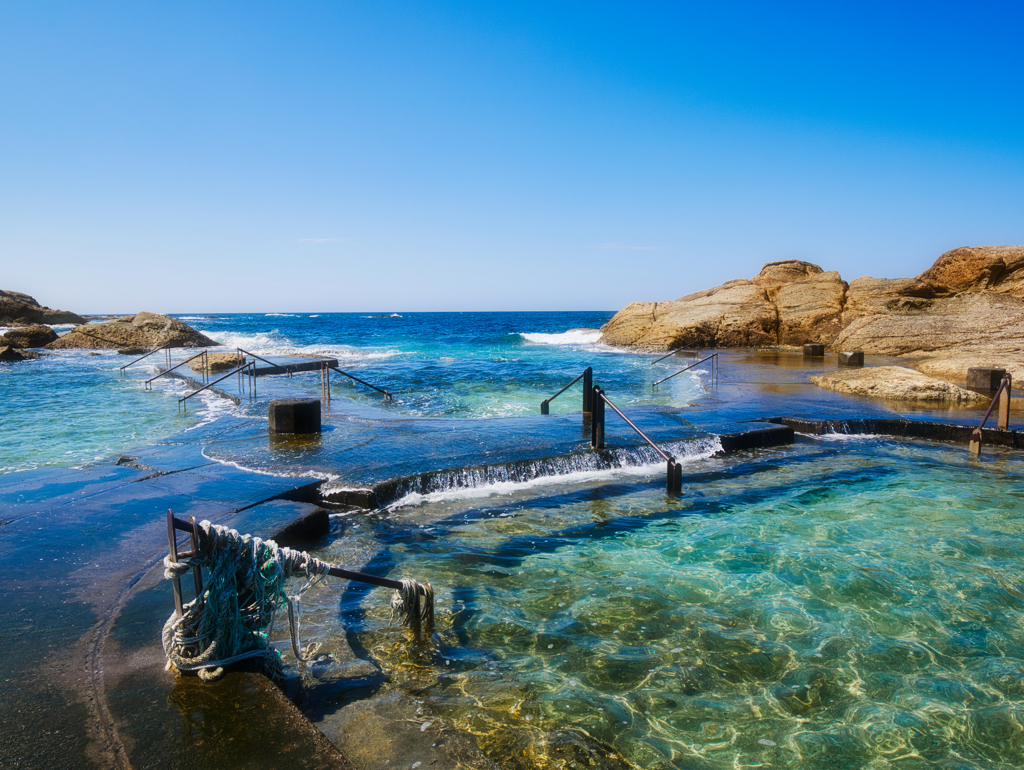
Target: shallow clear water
73 408
838 604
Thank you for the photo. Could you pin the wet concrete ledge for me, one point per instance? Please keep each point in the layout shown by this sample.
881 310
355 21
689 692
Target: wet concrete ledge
933 431
386 492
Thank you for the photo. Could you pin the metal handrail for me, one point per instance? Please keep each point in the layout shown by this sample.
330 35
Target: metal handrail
587 376
672 353
1004 418
246 365
387 395
168 371
664 455
130 363
674 471
687 368
269 363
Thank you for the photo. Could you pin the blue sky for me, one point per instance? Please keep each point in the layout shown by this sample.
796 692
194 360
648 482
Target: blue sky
218 157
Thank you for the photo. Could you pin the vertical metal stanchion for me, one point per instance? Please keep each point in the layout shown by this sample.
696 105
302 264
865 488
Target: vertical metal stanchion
1003 418
544 407
588 390
597 426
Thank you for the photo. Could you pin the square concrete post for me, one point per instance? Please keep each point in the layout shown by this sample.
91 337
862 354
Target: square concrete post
851 358
974 447
814 350
984 378
588 390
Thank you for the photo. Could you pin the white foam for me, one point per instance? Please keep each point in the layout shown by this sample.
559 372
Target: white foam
845 436
280 315
272 344
690 453
571 337
327 477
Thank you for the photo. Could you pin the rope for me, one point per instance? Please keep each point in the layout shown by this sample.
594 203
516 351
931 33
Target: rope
232 619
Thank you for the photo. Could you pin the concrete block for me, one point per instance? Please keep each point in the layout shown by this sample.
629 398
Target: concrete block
300 415
982 378
851 358
814 349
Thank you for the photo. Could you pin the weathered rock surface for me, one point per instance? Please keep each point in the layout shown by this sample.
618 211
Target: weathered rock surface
218 362
895 383
969 300
17 309
953 367
980 323
145 330
35 336
9 354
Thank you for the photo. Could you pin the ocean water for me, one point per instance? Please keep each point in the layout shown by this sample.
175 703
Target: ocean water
841 603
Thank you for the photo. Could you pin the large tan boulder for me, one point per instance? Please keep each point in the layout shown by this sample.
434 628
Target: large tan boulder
811 310
979 323
145 330
35 336
895 383
734 314
979 268
17 309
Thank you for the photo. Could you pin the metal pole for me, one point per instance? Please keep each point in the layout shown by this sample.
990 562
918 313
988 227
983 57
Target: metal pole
1003 418
588 390
597 426
543 407
172 543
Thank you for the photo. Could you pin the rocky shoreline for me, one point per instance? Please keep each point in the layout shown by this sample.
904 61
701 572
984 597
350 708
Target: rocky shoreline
966 310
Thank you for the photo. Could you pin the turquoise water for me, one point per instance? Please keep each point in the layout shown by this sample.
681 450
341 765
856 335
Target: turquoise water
841 604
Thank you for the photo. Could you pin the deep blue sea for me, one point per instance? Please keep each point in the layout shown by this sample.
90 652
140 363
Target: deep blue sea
846 602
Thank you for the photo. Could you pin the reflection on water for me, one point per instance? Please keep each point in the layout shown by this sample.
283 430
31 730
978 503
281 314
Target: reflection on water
859 604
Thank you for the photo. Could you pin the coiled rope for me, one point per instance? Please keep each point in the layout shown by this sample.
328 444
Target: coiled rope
231 620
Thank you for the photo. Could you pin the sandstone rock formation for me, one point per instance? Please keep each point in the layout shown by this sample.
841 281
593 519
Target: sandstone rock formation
9 354
895 383
35 336
145 330
969 300
17 309
218 362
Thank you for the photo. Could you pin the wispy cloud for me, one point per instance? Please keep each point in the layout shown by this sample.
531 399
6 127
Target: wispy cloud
628 247
322 240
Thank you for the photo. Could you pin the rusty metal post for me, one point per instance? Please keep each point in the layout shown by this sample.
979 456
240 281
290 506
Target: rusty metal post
588 390
597 424
197 571
1004 403
172 543
674 477
975 446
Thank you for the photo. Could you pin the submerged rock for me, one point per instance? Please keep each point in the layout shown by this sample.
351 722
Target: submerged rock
35 336
145 330
895 383
9 354
17 309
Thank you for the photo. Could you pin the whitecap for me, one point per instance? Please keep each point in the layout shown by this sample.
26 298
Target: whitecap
571 337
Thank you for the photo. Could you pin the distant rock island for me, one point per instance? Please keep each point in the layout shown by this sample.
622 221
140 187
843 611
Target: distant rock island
141 332
17 309
971 301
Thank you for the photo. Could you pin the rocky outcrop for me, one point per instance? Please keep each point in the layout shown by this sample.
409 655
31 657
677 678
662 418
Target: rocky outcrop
17 309
981 323
954 366
218 362
9 354
29 336
145 330
895 383
970 299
